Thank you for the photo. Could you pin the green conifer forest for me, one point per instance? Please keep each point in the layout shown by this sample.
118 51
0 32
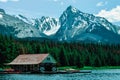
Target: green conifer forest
66 54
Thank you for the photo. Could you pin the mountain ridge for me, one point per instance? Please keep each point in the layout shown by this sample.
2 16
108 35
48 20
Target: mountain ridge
73 25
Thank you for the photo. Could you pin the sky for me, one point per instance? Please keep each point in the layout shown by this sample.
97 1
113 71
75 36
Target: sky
110 9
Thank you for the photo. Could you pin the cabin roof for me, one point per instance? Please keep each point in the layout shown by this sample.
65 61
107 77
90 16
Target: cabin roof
28 59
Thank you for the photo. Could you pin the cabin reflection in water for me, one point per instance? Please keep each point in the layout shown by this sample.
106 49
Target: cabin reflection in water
34 63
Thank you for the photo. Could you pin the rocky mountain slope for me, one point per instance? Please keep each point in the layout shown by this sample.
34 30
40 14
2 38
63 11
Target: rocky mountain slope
79 26
73 25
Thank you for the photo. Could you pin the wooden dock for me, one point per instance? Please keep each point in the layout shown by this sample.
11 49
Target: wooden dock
47 72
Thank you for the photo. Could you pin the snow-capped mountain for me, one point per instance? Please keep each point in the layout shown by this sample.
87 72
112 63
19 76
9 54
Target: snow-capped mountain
1 13
22 27
49 26
11 25
79 26
46 25
73 25
25 19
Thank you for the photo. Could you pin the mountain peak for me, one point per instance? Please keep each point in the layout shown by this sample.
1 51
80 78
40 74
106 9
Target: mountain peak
72 9
2 11
72 26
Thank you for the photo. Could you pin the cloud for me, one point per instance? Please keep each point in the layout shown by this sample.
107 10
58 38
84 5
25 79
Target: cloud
101 4
113 15
3 0
8 1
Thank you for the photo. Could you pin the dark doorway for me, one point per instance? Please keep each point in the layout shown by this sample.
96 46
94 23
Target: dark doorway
48 67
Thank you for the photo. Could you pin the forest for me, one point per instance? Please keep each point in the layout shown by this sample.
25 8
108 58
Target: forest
66 54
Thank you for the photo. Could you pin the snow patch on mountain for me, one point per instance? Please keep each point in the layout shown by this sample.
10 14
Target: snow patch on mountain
118 31
48 25
28 33
93 27
52 31
1 16
25 19
74 10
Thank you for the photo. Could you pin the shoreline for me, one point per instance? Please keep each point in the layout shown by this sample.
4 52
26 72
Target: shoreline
89 67
69 69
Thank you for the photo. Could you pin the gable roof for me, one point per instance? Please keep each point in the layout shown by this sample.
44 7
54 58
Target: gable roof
28 59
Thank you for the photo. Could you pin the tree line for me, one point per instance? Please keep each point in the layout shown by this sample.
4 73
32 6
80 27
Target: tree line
66 54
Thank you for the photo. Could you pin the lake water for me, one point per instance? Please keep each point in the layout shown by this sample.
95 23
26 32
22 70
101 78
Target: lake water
110 74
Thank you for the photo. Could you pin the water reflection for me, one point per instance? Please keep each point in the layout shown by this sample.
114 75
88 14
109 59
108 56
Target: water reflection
112 74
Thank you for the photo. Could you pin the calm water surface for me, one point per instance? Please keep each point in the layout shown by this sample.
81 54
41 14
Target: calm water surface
111 74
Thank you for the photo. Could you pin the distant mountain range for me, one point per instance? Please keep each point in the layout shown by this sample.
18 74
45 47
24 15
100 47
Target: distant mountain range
72 26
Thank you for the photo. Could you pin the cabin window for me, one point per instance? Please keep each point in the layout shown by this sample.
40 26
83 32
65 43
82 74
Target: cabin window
48 58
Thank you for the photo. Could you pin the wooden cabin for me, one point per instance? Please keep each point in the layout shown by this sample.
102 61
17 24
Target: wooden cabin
34 63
